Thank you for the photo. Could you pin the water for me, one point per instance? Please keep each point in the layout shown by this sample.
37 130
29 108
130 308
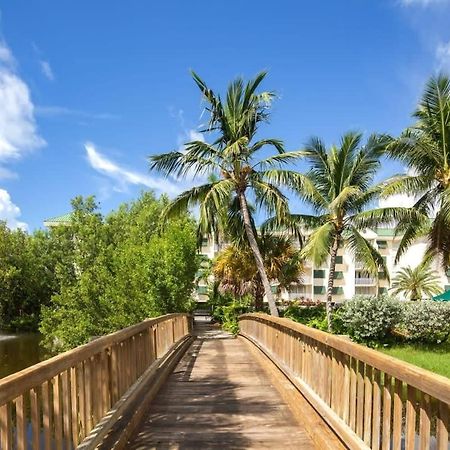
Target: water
18 351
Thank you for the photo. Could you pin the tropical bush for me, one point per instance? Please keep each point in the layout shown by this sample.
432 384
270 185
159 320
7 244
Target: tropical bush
370 318
117 271
426 321
312 316
226 309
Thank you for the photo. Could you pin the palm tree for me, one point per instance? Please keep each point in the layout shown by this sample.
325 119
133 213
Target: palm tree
425 149
232 157
236 271
340 189
416 284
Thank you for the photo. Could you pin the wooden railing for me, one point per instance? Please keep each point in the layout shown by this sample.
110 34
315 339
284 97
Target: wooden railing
55 404
369 399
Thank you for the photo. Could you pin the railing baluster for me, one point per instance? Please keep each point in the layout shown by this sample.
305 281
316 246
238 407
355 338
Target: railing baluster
21 423
387 412
410 434
5 427
376 415
35 419
424 427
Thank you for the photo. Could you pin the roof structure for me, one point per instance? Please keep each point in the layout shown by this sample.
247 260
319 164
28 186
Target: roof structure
65 219
444 297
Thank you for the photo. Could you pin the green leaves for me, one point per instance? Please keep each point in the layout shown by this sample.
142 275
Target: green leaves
418 283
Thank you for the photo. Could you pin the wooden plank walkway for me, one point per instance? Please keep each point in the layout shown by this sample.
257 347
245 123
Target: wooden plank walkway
219 397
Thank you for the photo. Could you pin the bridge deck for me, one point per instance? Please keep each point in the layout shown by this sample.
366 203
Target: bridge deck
219 397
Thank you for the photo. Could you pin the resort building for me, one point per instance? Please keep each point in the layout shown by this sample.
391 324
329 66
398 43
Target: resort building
350 277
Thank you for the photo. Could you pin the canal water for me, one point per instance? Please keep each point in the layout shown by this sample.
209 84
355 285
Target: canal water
18 351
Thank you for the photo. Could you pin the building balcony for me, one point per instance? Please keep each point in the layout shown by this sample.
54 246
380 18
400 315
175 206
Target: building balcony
367 281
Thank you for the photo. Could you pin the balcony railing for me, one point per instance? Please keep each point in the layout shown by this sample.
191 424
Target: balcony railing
364 281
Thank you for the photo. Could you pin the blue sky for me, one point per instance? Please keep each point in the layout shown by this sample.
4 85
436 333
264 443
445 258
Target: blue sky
89 89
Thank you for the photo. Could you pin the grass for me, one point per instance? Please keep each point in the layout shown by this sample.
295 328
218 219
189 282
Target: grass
435 358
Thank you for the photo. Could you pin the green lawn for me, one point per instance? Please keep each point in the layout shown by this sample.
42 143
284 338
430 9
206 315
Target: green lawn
431 357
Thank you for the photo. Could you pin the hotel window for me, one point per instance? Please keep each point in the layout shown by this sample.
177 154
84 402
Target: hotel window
338 290
339 259
319 290
382 244
382 291
338 275
319 274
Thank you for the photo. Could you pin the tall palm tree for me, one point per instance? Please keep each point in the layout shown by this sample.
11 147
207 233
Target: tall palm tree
236 271
340 191
425 149
232 157
416 284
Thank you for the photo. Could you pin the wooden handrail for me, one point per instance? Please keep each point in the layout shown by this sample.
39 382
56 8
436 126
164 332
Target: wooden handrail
63 398
370 399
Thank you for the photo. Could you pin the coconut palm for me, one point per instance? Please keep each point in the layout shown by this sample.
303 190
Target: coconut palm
236 271
416 284
340 190
232 157
425 149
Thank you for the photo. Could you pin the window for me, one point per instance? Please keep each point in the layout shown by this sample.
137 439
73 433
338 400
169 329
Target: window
319 290
274 289
204 242
382 244
382 291
338 290
319 274
447 272
338 275
447 287
382 275
297 289
202 290
339 259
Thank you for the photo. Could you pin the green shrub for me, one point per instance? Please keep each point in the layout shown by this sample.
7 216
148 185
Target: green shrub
426 321
312 316
226 309
370 318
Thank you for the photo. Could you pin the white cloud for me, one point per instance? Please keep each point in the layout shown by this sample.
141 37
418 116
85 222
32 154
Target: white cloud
47 70
443 55
396 200
18 131
54 111
10 212
124 177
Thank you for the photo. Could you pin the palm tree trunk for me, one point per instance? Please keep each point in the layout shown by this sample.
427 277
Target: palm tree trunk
258 258
334 250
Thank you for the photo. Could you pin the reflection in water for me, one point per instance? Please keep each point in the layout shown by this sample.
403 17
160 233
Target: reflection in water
19 350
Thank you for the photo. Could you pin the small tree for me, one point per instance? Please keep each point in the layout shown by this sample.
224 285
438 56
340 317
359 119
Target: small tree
416 284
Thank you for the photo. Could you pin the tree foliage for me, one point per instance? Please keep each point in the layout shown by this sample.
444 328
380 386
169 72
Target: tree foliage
416 283
425 150
26 277
118 270
237 273
233 159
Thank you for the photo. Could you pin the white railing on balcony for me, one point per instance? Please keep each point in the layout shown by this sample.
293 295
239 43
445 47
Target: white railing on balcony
366 281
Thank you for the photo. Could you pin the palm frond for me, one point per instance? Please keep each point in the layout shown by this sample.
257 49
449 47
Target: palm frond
364 252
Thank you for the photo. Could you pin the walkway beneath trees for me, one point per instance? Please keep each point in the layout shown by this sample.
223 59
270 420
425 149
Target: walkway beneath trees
219 396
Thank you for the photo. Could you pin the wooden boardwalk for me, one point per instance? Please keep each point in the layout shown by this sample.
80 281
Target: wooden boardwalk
219 397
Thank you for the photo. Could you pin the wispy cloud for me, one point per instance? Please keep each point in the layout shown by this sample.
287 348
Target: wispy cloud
422 3
124 177
443 55
55 111
10 212
47 70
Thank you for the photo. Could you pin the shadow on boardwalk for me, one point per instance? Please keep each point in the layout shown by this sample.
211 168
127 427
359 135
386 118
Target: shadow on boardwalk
218 397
